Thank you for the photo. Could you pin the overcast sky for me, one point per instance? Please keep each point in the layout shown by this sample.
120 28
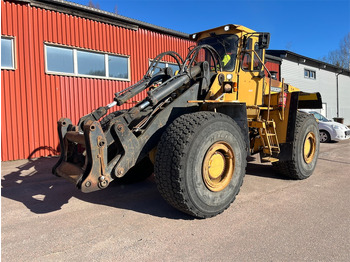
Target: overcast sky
308 27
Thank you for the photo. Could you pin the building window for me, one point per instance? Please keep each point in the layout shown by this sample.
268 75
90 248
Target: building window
78 62
7 53
59 59
309 74
92 64
118 66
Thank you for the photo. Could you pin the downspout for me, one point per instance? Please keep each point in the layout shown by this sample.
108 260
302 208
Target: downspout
337 75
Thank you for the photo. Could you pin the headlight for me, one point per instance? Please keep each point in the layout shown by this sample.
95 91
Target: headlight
229 76
335 127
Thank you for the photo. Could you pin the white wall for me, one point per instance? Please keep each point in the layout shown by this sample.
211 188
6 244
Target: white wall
344 98
325 83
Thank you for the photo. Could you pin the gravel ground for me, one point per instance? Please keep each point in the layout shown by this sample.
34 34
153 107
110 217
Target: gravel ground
44 218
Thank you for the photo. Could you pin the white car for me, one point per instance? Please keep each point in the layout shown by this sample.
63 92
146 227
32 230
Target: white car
330 130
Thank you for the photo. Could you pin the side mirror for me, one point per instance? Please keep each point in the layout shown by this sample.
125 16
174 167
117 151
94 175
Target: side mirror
264 40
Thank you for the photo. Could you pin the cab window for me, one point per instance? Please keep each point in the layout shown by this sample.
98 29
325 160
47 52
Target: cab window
256 64
226 46
247 59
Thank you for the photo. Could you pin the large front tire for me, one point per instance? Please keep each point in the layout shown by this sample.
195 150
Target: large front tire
200 163
305 149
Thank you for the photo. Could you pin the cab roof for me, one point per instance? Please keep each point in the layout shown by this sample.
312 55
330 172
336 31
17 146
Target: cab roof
229 26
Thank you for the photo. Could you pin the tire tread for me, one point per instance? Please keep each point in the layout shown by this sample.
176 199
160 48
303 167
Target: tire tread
289 168
170 150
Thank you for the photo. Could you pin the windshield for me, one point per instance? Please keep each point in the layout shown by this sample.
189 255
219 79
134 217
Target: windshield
320 117
226 46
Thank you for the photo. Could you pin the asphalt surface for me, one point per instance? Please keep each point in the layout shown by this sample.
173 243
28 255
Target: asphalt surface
44 218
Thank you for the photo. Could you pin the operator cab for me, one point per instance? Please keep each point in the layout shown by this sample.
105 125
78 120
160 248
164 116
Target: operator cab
226 45
241 52
232 40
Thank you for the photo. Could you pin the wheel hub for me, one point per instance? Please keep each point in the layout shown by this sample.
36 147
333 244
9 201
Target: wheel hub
309 147
218 166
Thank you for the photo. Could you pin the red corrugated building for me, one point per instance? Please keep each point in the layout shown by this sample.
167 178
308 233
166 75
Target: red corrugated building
36 89
64 59
273 63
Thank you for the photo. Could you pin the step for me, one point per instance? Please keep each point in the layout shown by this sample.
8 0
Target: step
270 134
269 152
272 147
269 159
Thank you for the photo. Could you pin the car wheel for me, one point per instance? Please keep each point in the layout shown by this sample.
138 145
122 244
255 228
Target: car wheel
324 136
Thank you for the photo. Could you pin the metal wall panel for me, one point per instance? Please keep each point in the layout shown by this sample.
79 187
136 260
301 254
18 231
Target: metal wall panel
325 83
273 66
32 101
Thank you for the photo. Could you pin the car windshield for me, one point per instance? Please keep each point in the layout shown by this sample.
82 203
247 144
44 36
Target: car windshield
226 46
320 117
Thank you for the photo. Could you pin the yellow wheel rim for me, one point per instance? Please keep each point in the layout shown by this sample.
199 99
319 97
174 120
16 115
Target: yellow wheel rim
309 147
218 166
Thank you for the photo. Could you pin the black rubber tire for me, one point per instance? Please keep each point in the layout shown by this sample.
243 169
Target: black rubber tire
327 136
179 158
140 172
297 168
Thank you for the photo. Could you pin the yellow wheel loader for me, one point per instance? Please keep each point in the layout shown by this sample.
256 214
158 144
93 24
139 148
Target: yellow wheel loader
196 127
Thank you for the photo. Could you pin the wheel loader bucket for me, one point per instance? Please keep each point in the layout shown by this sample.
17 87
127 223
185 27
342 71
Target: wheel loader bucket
83 158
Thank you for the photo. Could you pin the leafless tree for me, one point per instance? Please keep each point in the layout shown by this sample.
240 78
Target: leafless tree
341 56
91 4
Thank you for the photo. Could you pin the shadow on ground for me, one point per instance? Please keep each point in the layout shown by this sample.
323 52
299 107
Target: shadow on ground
41 192
254 168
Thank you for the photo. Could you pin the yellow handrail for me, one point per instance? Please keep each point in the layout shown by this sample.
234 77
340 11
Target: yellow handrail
260 60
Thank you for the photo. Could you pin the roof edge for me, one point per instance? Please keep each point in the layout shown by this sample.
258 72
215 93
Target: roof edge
322 65
98 15
272 57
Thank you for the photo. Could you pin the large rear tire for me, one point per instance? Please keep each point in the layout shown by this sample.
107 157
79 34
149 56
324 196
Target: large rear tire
200 163
305 149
